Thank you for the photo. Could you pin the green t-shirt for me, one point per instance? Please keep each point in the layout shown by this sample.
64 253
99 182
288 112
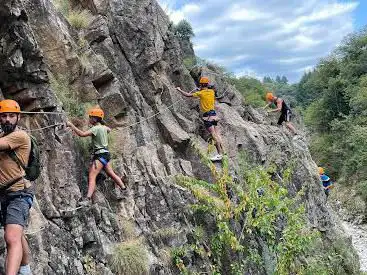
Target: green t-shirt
99 138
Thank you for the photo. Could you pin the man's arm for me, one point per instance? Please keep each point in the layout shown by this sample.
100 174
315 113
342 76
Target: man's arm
4 145
183 92
267 105
78 131
279 107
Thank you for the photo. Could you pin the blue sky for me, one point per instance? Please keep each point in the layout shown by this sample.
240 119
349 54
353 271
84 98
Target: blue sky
259 38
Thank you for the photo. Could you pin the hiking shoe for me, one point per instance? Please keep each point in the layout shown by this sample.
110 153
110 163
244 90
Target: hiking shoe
85 202
24 270
216 158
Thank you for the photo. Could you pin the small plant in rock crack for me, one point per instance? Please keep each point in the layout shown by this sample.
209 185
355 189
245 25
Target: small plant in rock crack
68 96
130 258
78 18
177 255
89 265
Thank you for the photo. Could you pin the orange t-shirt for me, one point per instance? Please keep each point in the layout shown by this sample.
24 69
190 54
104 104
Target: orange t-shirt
20 142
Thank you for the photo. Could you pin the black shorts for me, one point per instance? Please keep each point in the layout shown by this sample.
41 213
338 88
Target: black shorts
286 116
209 123
15 207
104 158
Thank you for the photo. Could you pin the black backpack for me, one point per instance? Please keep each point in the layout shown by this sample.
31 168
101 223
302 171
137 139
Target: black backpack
33 168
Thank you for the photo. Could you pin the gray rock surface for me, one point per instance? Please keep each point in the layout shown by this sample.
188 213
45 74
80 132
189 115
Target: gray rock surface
130 65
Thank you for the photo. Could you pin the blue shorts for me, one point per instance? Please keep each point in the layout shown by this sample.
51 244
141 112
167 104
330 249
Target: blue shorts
104 158
15 208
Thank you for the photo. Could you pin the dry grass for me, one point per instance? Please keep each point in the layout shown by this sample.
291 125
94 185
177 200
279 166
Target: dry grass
130 258
79 19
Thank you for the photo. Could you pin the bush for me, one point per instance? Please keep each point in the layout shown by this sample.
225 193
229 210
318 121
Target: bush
79 19
130 258
275 217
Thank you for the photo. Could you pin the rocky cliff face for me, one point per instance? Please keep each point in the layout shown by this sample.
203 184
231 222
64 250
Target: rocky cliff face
129 63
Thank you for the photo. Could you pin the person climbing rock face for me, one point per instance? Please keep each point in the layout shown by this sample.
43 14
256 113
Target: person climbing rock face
209 115
16 194
326 181
281 106
101 156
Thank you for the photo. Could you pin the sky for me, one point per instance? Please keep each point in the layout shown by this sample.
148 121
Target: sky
268 38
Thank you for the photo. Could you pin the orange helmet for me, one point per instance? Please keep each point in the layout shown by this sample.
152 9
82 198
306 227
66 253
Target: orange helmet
204 80
97 112
9 106
321 170
269 96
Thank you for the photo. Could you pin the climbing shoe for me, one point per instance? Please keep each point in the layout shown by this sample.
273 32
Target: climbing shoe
216 158
85 202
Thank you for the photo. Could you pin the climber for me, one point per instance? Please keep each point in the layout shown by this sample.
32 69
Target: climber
326 181
282 107
207 107
16 192
101 156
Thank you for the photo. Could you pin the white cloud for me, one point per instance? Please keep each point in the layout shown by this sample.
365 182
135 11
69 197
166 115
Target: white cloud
242 13
260 38
191 9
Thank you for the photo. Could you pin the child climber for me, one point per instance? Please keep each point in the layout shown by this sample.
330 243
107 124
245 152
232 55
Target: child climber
100 156
206 96
326 181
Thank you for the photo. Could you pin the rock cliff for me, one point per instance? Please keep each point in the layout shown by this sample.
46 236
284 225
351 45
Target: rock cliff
128 61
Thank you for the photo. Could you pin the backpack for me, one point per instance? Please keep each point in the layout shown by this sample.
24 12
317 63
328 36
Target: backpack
33 168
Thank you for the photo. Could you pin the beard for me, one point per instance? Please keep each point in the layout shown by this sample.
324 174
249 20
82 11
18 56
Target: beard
8 127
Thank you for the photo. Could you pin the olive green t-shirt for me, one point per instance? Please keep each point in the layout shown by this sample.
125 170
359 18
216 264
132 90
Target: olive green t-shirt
99 139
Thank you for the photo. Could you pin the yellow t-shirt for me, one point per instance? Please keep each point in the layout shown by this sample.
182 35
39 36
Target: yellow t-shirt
20 142
207 99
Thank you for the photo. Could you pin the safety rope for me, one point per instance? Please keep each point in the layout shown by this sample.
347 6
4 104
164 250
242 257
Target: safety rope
35 232
43 128
125 127
46 113
156 114
152 116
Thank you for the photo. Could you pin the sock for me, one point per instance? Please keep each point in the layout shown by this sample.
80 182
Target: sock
25 270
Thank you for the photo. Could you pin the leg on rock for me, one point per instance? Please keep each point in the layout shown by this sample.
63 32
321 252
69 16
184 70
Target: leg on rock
214 131
291 127
94 169
13 238
109 171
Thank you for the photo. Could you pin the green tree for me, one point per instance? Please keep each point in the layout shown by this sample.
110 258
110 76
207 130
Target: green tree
184 30
335 98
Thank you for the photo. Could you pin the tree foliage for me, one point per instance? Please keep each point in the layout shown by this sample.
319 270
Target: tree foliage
183 30
334 96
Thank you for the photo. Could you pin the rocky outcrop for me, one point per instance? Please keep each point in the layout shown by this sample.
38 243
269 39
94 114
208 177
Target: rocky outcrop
129 63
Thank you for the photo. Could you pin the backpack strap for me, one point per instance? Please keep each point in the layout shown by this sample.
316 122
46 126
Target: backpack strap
14 157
